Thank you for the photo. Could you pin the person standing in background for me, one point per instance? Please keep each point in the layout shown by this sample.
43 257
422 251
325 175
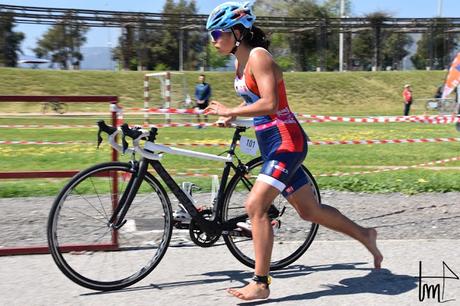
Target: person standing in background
202 95
407 95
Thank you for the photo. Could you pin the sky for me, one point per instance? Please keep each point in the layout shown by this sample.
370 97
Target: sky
105 37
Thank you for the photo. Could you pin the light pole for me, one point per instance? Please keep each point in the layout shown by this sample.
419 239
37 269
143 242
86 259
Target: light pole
342 13
439 8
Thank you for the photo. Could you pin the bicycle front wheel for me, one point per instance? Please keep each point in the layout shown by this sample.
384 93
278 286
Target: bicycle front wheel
292 235
91 252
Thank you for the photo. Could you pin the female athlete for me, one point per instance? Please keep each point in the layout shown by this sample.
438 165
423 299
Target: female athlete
281 139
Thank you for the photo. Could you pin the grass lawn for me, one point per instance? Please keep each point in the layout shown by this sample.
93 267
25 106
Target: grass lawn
354 94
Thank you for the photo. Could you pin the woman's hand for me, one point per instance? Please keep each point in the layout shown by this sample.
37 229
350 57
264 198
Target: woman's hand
217 108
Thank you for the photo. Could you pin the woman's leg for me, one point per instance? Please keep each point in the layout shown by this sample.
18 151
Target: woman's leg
309 209
257 205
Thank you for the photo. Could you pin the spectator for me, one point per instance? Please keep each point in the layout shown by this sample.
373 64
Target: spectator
438 94
457 104
407 95
202 96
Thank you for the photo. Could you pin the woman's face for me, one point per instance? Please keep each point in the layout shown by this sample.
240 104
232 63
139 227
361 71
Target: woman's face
225 42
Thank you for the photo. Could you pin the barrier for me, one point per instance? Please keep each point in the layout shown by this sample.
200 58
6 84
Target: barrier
435 119
432 163
313 143
113 100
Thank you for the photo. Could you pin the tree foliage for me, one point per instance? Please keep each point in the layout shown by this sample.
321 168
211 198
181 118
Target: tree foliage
10 41
215 59
61 43
378 47
305 49
395 49
434 48
144 48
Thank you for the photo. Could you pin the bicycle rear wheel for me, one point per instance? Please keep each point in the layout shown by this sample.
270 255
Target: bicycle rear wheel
87 249
292 235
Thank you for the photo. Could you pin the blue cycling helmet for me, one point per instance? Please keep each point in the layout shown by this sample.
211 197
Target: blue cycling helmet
229 14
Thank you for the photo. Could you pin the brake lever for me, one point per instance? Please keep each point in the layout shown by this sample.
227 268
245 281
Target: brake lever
99 139
125 130
103 127
132 133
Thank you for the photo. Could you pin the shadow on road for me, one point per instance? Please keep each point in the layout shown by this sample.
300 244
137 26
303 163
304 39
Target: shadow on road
381 282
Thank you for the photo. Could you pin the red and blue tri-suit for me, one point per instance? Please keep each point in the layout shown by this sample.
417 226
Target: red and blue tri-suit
282 141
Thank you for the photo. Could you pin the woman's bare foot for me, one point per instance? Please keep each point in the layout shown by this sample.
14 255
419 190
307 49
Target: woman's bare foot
371 245
253 291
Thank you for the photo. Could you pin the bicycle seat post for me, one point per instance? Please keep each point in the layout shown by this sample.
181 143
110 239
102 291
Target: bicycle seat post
236 138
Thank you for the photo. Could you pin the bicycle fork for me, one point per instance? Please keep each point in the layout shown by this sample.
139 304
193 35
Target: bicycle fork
118 217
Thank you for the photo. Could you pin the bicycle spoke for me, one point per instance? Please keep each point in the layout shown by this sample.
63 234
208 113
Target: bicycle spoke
114 258
89 216
87 201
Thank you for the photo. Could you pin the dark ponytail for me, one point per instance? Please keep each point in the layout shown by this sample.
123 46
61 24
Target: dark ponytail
254 37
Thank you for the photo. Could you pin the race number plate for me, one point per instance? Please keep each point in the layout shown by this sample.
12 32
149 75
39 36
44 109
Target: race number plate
249 145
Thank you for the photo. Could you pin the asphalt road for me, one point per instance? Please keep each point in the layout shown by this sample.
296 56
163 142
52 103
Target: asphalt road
330 273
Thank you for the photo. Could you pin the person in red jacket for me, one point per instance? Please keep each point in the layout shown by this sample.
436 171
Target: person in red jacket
407 95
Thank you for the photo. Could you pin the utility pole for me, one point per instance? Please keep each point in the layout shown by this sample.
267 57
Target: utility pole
181 50
342 13
439 8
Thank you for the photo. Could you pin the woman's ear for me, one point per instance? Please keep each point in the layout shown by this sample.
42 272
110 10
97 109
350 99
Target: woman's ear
237 33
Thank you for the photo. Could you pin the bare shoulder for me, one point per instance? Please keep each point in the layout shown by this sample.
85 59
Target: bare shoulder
261 60
260 56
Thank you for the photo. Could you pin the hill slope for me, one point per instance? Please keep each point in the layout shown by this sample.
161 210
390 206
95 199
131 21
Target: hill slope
350 93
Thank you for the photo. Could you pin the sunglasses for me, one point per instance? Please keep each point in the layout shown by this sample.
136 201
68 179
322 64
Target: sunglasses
216 34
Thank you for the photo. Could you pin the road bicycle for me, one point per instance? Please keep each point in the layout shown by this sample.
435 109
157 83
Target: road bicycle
111 224
441 105
56 106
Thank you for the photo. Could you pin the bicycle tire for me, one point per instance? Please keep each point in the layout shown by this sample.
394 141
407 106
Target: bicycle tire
91 253
289 241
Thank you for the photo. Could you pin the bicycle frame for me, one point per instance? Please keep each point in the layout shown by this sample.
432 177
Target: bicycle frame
213 226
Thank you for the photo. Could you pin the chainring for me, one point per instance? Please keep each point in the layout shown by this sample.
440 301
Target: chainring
200 237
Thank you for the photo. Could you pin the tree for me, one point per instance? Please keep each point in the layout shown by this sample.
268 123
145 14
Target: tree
375 47
10 41
141 47
362 54
395 49
126 50
216 60
62 42
305 49
314 47
376 20
434 48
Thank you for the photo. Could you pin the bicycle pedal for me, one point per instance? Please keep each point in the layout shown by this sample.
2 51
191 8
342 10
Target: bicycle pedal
246 226
181 216
276 224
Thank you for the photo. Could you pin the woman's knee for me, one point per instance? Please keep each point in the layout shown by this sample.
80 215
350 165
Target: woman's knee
308 210
254 208
309 215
